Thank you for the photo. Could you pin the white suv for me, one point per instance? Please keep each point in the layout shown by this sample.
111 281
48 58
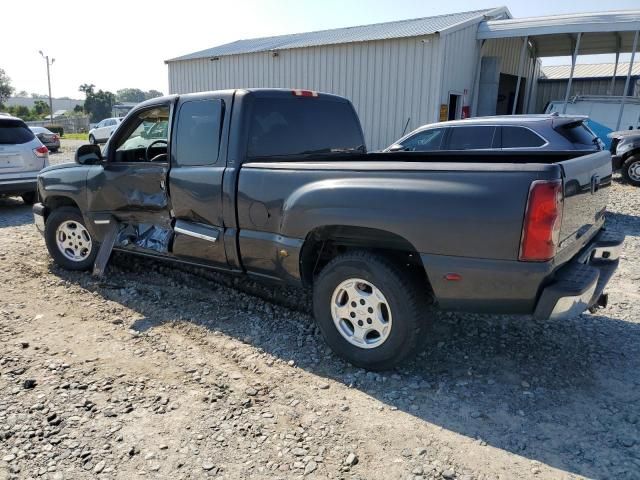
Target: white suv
22 156
101 132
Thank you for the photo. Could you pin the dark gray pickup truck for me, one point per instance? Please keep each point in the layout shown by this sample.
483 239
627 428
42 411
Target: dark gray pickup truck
277 184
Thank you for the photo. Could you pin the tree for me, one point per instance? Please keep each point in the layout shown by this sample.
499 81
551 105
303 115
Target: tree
41 108
153 94
87 88
21 111
131 95
78 109
5 87
22 93
99 104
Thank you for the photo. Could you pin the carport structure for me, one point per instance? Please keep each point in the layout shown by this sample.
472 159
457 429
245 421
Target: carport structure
612 32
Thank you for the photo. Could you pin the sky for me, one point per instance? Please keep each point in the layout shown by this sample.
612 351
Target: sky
123 44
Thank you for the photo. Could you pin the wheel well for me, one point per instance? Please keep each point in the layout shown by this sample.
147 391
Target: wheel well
325 243
633 153
56 202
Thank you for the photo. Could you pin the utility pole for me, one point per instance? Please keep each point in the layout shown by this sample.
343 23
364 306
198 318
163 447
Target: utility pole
49 63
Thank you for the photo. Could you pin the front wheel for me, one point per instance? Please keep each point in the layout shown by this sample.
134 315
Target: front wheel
631 170
370 311
68 240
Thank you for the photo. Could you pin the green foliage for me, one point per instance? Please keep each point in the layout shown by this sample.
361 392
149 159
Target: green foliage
136 95
78 109
5 87
41 108
130 95
21 111
59 129
153 94
87 88
99 104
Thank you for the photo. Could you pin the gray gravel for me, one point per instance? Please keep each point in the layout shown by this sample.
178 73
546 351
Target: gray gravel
166 373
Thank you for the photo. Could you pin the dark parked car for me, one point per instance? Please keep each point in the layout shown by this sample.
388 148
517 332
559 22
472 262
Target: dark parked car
276 184
551 133
48 138
625 148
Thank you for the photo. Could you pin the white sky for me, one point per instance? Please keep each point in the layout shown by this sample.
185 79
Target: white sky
118 44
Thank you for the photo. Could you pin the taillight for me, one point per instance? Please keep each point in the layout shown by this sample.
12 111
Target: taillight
56 137
41 151
543 217
304 93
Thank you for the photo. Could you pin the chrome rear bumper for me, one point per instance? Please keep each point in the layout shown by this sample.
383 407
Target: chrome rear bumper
580 284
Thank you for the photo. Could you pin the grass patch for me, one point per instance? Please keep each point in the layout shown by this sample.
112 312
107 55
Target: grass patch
76 136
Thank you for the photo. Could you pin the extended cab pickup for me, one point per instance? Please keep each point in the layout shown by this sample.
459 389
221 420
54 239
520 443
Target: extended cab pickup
277 184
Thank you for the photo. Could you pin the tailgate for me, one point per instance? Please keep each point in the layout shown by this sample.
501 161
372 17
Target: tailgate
586 189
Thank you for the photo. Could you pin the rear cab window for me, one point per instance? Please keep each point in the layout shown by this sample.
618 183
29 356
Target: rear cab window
283 126
14 132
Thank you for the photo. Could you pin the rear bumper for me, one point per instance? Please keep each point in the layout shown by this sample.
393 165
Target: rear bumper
580 284
527 288
18 185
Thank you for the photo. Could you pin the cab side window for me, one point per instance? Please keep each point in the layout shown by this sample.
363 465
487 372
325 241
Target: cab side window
425 141
198 132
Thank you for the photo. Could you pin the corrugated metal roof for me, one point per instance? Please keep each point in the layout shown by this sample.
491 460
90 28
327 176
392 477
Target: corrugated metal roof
588 70
612 21
602 32
379 31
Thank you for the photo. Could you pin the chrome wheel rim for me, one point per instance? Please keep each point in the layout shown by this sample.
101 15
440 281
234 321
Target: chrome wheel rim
361 313
73 241
634 171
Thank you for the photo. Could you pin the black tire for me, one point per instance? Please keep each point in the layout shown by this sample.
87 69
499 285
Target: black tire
92 140
29 198
54 220
53 150
631 170
408 307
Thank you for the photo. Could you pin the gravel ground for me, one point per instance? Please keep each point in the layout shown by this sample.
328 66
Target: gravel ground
164 373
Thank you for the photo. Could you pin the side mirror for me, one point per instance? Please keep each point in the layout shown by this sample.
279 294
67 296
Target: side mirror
395 148
88 155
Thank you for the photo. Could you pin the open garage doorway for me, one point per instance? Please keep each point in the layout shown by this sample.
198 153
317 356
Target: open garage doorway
507 94
455 106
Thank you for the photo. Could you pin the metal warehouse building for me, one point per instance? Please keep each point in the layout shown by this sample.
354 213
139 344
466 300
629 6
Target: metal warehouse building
588 79
400 75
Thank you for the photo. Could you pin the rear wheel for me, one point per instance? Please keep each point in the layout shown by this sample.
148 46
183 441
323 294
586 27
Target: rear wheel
631 170
370 311
92 140
29 198
68 240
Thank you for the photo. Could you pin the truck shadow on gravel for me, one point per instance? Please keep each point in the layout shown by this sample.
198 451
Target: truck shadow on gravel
14 212
566 394
629 224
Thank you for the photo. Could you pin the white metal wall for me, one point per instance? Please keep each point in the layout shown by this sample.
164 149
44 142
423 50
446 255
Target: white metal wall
388 81
460 57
